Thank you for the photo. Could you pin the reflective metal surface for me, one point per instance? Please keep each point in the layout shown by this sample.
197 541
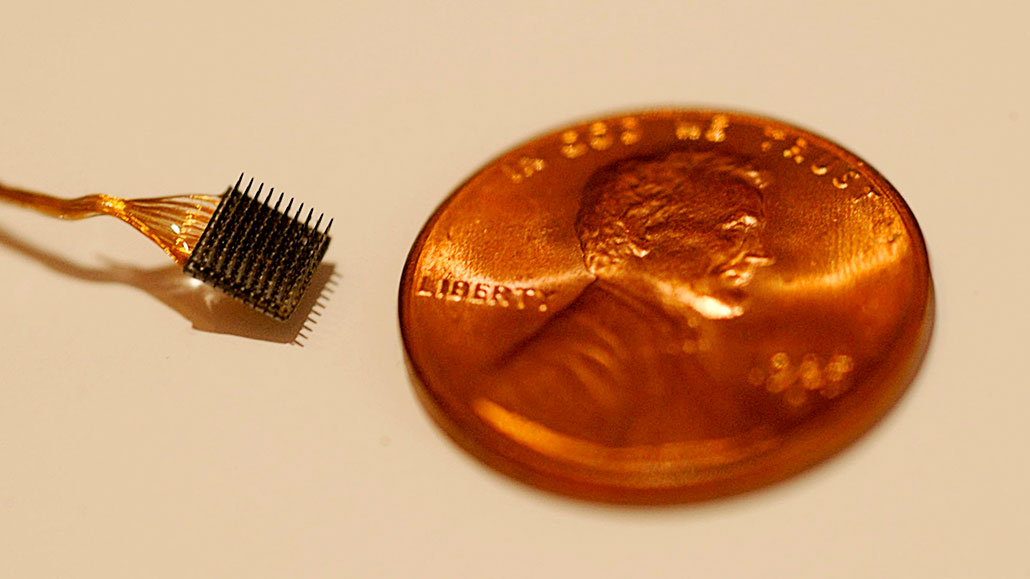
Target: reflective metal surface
666 306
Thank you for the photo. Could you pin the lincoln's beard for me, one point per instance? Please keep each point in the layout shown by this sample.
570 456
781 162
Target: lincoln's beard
710 297
712 307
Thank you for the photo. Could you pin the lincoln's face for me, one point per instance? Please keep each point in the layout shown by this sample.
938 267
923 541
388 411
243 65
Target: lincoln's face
709 251
691 223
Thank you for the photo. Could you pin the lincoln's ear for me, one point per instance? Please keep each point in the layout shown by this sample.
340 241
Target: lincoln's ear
637 243
637 250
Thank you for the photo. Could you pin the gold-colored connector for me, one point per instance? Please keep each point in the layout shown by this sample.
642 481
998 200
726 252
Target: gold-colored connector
173 223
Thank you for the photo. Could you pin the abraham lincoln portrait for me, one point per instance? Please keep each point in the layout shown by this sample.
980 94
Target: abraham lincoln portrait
672 243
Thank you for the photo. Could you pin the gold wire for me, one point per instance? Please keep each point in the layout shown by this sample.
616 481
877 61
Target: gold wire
173 223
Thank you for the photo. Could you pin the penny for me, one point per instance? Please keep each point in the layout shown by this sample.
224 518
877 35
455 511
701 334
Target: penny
666 306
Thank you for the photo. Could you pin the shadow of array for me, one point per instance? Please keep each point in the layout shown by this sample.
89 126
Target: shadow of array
208 309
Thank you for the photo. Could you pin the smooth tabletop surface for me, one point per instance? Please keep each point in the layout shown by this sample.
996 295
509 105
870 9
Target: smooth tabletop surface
148 428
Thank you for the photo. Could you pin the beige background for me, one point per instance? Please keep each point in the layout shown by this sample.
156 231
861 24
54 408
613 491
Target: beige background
135 445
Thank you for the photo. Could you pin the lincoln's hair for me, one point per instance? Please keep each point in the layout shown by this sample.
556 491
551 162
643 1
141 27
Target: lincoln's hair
626 204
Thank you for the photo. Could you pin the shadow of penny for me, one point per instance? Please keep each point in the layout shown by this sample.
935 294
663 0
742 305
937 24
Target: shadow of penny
208 309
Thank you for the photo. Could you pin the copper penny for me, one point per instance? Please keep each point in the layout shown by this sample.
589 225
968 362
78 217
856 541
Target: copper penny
666 306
